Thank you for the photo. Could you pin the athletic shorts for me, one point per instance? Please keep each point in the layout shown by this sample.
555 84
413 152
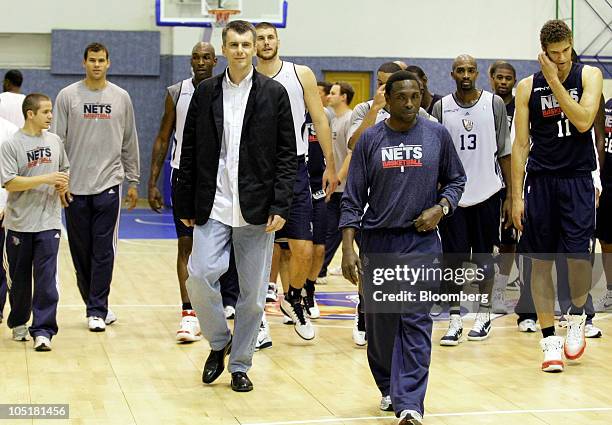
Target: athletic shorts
509 235
472 232
559 215
181 229
604 216
299 224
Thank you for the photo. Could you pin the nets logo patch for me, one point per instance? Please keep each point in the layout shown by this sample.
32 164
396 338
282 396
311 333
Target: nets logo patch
402 156
97 111
550 105
468 124
38 156
311 133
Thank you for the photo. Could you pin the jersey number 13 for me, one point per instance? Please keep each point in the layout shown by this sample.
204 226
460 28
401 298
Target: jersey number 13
470 139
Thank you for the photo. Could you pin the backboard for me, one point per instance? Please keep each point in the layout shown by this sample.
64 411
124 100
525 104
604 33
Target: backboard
194 13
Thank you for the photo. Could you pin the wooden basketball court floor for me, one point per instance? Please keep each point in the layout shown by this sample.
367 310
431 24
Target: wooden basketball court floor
135 373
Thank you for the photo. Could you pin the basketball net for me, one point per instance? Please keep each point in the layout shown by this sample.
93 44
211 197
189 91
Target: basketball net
222 16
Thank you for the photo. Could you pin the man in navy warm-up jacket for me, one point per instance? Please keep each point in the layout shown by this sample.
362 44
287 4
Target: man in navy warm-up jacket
407 171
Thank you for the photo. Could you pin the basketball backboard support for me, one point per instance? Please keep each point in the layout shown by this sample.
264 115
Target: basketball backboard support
194 13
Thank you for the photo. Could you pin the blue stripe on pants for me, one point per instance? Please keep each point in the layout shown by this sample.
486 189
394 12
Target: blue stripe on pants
208 261
35 253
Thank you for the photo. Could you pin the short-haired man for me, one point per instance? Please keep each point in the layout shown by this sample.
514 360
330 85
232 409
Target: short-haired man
7 129
178 97
407 198
503 79
553 198
301 86
35 173
95 120
604 224
477 121
429 99
11 98
235 184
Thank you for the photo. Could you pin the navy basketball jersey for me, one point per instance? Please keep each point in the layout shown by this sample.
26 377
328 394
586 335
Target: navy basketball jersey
556 145
607 169
316 160
510 107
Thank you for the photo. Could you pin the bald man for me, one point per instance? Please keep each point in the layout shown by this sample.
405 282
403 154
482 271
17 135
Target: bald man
478 124
178 97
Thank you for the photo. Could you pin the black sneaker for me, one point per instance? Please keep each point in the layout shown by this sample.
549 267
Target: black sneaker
482 327
454 332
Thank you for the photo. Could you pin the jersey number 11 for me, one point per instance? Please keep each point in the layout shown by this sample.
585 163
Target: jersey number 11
567 127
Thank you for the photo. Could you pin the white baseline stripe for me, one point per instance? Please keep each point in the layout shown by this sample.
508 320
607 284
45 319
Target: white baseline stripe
440 415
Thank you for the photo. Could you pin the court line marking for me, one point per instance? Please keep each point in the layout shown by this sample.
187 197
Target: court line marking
441 415
154 223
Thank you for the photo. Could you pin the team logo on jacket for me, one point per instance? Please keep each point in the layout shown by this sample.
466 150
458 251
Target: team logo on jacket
402 156
550 105
468 124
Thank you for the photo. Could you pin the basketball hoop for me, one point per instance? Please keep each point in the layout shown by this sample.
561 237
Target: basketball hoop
222 16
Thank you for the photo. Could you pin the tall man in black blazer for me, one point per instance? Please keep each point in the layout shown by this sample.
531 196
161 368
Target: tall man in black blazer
235 183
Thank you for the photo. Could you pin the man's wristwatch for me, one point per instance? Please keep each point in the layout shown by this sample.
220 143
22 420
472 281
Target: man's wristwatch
445 210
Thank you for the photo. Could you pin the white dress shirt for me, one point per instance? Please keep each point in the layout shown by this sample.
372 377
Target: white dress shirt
226 207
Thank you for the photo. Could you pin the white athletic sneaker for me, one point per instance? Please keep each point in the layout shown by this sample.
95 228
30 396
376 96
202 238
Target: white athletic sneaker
605 302
230 312
42 343
527 325
20 333
385 404
410 417
481 328
110 317
454 332
335 271
287 320
272 294
552 347
96 324
310 305
499 301
574 341
436 310
592 331
189 329
301 323
359 333
263 336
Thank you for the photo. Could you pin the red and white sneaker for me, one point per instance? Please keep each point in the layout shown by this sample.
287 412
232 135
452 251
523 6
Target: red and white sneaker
189 330
575 343
552 347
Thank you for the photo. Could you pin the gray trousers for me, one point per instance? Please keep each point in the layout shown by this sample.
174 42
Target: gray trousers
208 261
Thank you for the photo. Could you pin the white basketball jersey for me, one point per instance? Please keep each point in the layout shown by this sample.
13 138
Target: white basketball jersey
288 77
181 108
473 133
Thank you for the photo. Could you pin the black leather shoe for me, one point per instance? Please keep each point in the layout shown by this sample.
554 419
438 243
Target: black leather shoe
241 382
215 364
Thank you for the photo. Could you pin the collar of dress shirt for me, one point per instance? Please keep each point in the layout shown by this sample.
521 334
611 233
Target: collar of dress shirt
243 82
